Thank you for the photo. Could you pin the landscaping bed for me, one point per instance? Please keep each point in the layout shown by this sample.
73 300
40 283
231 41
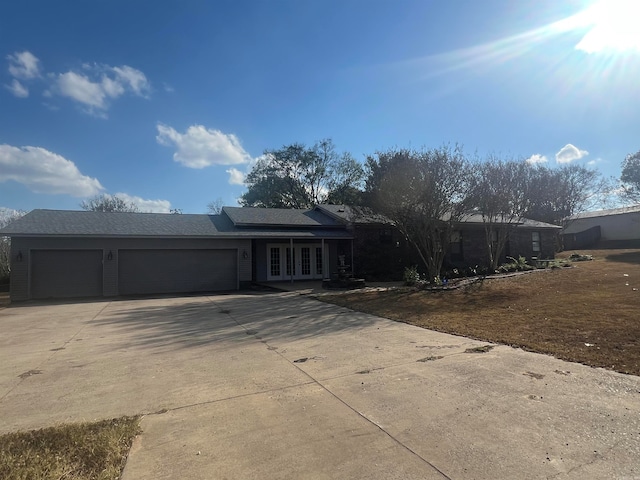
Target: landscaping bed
589 313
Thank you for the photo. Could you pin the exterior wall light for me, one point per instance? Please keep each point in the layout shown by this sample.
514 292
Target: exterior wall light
110 255
19 256
245 255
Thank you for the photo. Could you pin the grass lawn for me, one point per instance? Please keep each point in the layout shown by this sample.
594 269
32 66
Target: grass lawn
589 313
84 451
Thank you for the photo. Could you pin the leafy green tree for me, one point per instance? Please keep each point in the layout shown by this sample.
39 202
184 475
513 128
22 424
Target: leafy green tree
630 177
420 192
296 176
108 203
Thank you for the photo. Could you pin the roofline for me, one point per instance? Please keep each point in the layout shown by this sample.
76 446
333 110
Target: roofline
176 237
281 225
329 213
548 226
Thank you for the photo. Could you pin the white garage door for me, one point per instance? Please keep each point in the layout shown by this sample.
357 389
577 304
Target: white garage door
176 271
66 273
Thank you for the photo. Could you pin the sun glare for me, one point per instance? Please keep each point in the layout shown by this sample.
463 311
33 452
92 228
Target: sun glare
613 26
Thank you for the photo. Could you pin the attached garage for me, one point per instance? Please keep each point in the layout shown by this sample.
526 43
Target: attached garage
176 271
63 253
66 273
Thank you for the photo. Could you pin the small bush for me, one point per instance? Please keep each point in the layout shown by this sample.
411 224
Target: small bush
411 276
576 257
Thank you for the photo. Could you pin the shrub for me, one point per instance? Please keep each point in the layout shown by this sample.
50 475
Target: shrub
411 276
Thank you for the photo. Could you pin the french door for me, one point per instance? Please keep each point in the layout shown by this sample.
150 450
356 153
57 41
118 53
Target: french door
308 261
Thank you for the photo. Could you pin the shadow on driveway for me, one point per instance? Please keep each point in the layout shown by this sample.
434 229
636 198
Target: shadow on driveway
196 321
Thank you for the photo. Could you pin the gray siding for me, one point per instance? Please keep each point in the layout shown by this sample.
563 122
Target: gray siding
20 273
623 226
261 260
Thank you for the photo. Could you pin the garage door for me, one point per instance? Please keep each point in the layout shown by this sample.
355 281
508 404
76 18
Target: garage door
176 271
66 273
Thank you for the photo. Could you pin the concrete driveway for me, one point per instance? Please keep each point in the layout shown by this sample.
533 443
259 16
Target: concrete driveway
283 386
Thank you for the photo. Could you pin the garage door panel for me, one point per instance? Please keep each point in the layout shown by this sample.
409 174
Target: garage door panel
176 271
66 273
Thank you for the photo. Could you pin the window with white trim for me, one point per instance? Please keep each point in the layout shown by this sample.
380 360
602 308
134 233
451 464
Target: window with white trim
535 241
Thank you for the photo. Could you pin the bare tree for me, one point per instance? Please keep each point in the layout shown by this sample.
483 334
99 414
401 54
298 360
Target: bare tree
108 203
500 191
420 192
7 215
630 177
558 193
214 207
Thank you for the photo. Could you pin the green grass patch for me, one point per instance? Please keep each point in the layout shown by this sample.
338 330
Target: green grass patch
80 451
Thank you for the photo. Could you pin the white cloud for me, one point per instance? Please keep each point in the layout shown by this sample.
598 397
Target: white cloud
93 86
79 88
96 85
43 171
569 153
24 65
18 89
200 147
236 177
134 79
153 206
536 158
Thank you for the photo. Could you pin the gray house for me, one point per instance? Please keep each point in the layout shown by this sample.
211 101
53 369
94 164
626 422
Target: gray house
57 253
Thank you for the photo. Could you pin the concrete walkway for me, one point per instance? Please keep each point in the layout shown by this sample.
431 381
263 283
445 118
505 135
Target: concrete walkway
278 385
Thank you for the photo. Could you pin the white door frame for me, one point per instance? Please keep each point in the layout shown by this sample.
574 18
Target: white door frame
278 261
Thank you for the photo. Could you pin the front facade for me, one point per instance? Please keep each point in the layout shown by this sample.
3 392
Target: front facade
382 252
63 254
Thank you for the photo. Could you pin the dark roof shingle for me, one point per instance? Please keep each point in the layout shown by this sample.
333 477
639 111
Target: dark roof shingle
279 217
120 224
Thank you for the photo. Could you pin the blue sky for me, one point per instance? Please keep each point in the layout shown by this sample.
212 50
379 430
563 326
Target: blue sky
169 103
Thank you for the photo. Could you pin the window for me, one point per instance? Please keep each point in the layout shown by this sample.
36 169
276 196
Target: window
386 236
535 241
275 262
305 255
455 244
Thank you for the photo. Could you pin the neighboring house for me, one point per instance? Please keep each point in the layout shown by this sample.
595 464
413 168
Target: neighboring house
618 225
382 251
58 253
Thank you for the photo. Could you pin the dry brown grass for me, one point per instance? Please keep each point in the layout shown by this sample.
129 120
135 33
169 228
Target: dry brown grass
85 451
589 313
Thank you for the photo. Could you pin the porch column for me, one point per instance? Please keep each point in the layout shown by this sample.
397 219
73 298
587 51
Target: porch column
293 267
